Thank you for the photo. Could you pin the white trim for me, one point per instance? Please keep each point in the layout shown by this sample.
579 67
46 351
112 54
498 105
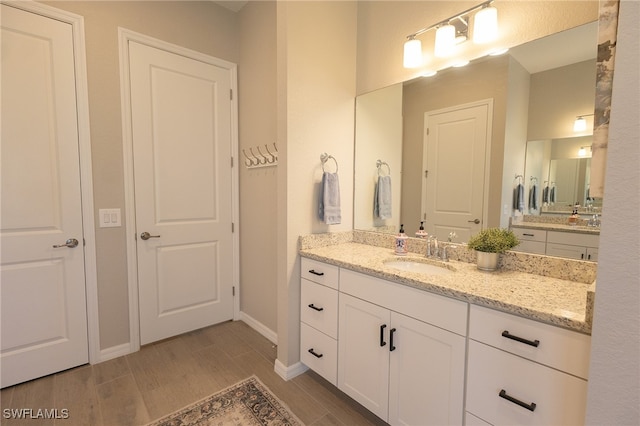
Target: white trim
288 373
259 327
86 173
114 352
124 37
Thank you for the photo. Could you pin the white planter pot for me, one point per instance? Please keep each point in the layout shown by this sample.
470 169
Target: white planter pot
487 261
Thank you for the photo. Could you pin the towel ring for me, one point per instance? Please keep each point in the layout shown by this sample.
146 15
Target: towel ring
379 164
325 157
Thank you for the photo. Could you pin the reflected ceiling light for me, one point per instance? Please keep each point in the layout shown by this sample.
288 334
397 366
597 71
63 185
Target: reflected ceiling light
582 152
485 25
580 125
412 53
454 30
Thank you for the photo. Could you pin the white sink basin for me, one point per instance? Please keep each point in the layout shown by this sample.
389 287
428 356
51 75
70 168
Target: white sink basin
420 267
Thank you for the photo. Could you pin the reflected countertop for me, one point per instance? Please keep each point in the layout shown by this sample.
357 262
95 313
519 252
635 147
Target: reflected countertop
555 301
547 226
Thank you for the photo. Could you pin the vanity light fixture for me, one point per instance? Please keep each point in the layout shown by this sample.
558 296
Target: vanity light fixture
452 31
582 152
580 125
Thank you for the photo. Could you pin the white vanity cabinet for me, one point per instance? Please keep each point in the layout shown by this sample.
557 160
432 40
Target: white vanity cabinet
574 246
401 351
531 240
521 372
319 318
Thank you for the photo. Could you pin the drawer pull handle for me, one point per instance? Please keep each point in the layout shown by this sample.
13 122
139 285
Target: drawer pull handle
520 339
529 235
316 273
312 352
315 308
391 347
530 407
382 342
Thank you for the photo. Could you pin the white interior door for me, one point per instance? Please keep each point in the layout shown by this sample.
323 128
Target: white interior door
181 124
454 163
44 323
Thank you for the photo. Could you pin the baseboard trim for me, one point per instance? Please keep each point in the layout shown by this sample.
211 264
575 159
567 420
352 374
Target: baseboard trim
288 373
114 352
259 327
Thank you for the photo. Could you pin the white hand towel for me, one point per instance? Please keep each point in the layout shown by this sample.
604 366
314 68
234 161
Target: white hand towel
329 204
382 201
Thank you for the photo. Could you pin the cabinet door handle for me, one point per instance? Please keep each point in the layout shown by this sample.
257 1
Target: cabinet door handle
391 347
529 235
530 407
382 342
582 256
315 308
316 273
520 339
312 352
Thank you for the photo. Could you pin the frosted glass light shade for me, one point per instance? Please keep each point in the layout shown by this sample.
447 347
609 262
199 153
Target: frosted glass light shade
485 25
412 53
445 41
580 125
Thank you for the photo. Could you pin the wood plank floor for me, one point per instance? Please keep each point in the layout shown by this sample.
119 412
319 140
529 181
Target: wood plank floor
168 375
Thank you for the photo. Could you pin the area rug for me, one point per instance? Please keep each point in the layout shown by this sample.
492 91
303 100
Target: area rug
248 402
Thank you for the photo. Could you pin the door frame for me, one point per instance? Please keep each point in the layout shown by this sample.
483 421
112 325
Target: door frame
487 153
124 37
84 154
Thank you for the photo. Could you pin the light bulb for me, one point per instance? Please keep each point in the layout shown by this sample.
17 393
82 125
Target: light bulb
580 125
412 53
582 152
445 41
485 25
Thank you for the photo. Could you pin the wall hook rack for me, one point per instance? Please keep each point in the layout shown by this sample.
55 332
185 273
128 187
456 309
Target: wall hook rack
267 158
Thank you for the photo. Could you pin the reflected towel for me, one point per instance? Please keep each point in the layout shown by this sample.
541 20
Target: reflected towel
329 204
533 197
545 194
382 198
518 198
552 195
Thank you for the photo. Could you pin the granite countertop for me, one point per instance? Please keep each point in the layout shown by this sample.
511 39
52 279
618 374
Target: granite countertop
551 300
579 229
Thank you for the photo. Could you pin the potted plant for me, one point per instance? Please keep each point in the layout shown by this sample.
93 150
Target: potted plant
489 243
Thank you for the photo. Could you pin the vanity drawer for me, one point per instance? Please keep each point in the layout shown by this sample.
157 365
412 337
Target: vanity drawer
559 398
534 247
319 307
319 272
557 347
325 360
526 234
573 238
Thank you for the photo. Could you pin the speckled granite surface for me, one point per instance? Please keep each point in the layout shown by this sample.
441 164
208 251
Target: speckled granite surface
513 288
551 226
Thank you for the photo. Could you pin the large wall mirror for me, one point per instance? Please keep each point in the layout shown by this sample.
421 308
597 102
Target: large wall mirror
522 105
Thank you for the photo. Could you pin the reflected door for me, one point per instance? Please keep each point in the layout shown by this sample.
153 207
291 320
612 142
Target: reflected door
454 163
181 120
44 322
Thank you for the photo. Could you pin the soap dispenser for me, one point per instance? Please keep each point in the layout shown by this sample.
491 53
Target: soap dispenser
401 242
421 233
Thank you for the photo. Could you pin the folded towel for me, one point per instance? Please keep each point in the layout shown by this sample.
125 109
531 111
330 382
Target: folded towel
533 197
382 198
545 194
329 204
552 195
518 197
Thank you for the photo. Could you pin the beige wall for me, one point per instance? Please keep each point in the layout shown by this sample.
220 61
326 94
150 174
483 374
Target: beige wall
201 26
258 187
316 92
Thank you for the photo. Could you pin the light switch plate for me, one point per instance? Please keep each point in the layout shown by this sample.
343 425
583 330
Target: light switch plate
109 218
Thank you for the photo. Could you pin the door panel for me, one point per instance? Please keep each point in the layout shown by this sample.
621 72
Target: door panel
181 120
44 323
454 160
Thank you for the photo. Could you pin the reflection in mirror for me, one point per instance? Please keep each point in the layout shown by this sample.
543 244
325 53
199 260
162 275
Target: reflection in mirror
533 98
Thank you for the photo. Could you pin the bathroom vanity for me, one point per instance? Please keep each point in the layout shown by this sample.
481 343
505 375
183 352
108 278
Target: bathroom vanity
556 239
449 346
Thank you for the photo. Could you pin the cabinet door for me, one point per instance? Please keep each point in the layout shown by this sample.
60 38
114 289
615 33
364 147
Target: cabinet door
564 250
426 377
363 353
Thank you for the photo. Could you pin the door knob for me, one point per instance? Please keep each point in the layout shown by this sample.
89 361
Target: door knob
70 243
145 236
476 221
